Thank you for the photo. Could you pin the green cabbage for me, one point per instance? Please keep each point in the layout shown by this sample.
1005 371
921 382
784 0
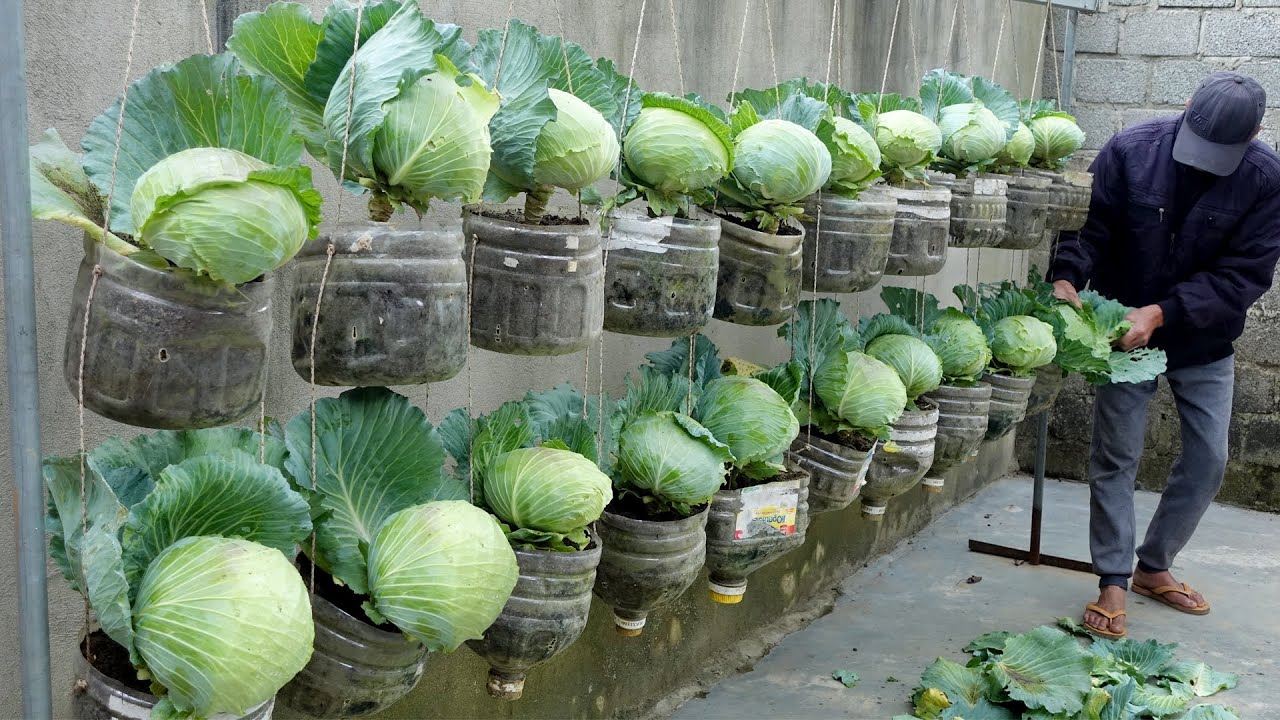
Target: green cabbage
865 394
441 572
546 489
780 162
577 148
855 156
971 134
960 345
1017 152
916 364
753 420
908 140
222 624
1057 136
675 147
1022 343
671 457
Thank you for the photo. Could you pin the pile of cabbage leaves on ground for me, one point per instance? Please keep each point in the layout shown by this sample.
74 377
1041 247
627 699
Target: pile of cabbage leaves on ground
1049 674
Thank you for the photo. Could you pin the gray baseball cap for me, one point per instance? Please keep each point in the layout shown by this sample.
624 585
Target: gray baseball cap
1220 122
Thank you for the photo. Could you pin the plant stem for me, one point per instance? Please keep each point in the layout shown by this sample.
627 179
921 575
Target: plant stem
535 203
380 207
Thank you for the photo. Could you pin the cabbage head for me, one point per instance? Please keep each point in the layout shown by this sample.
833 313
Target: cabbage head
222 624
960 345
1057 136
855 157
907 139
441 572
672 457
676 147
224 214
971 134
780 162
914 361
865 394
577 148
1023 343
546 489
752 419
1017 152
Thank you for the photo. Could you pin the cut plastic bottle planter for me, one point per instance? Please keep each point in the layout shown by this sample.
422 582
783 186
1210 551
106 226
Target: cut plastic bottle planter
760 275
837 471
1009 396
647 564
979 209
920 230
962 424
903 462
852 244
750 528
1068 202
1028 211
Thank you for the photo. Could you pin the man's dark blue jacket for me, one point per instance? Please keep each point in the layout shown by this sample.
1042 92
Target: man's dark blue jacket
1204 257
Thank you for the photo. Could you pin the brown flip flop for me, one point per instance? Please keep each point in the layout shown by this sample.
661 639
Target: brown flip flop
1158 594
1102 632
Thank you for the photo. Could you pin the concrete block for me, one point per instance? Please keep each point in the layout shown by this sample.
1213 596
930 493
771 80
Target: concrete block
1126 3
1259 446
1261 3
1098 122
1174 81
1256 388
1111 81
1196 3
1139 115
1098 33
1267 73
1175 32
1234 33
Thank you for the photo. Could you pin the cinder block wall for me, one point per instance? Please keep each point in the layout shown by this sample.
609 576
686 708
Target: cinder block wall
1139 59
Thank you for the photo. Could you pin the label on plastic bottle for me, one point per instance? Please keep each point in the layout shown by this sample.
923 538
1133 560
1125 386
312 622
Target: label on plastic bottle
768 510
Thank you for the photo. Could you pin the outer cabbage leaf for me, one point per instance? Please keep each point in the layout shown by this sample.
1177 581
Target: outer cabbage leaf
1044 668
777 163
675 360
61 191
105 584
908 142
755 422
1200 677
557 415
1057 136
441 572
786 379
799 100
1022 344
675 147
940 89
864 393
914 361
495 434
855 157
672 458
1159 701
376 455
546 489
819 332
1211 712
1140 659
1121 696
202 101
1000 102
337 41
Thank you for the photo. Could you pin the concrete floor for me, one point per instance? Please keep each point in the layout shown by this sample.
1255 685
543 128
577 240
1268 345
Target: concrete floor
915 604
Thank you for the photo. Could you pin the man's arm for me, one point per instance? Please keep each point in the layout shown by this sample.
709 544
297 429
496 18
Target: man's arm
1077 253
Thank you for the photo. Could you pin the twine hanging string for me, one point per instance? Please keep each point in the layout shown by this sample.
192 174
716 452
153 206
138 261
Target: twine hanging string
773 58
1013 46
995 61
693 336
204 20
742 40
888 55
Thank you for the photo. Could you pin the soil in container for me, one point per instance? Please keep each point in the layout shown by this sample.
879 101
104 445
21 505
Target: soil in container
897 469
837 466
760 273
752 523
394 308
853 245
661 277
920 230
537 289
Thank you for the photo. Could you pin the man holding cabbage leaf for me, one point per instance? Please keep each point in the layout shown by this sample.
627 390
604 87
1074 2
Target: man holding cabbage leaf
1184 226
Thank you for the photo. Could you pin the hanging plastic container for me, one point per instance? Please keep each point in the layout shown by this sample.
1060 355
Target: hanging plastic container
1009 396
979 211
1069 196
854 244
98 696
750 528
1028 211
903 462
759 279
355 669
545 614
836 471
537 288
394 308
661 276
962 424
646 564
1044 393
165 351
920 230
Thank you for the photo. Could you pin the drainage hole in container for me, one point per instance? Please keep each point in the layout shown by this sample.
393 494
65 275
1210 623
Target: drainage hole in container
354 334
163 355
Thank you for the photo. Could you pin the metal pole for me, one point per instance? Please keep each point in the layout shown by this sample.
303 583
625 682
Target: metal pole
1037 491
1069 59
23 375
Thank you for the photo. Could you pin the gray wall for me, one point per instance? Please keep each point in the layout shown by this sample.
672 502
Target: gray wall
76 55
1139 59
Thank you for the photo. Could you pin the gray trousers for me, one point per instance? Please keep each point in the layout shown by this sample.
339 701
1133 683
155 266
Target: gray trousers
1203 395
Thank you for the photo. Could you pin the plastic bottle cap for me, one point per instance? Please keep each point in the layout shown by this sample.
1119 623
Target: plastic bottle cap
727 594
628 627
934 485
874 513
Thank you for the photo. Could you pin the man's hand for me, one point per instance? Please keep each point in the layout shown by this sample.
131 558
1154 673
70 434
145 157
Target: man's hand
1064 290
1144 321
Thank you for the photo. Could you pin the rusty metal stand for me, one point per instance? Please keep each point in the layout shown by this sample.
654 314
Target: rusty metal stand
1033 556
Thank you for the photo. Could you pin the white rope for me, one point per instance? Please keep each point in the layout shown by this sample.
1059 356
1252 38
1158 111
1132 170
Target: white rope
773 59
675 36
742 40
995 61
888 56
204 20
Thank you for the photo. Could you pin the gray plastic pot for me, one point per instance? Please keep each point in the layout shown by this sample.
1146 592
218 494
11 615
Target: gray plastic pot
896 470
1069 196
836 471
979 211
1009 396
920 229
355 669
852 244
661 276
538 289
741 532
545 614
163 351
760 277
1045 391
1028 211
962 424
394 308
646 564
97 696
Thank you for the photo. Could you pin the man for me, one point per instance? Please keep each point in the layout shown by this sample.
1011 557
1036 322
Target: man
1184 226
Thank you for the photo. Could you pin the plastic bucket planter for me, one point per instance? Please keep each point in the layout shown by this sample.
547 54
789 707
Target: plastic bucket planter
750 528
903 462
99 696
852 244
759 278
163 351
546 613
394 307
1045 391
979 210
646 564
920 230
537 288
661 276
1028 211
962 424
1009 396
837 471
1069 195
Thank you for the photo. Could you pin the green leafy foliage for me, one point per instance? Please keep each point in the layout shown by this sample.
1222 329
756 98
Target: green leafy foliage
847 678
777 164
960 344
915 362
676 149
1057 137
754 421
671 459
